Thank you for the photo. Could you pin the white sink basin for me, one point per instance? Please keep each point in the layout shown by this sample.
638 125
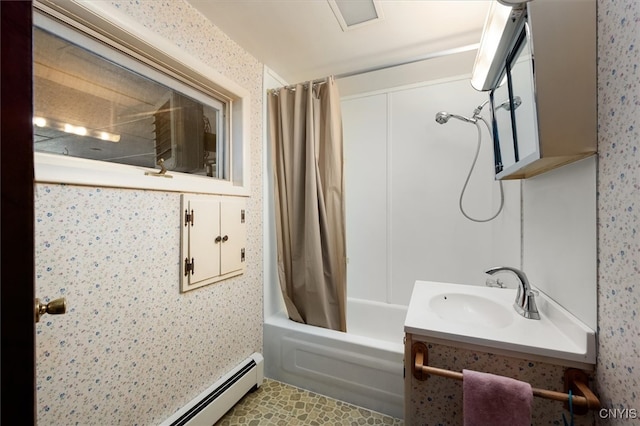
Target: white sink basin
483 318
470 309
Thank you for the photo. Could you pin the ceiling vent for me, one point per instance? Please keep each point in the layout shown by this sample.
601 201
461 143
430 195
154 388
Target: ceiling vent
353 14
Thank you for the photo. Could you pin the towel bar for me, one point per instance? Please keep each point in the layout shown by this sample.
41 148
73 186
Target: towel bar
574 379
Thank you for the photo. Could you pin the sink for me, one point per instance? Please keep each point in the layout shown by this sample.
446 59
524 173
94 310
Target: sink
483 318
470 309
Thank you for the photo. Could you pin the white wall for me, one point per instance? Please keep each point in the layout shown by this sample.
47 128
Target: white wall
273 301
404 173
559 235
365 130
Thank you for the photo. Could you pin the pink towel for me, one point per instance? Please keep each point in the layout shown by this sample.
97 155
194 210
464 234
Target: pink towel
490 400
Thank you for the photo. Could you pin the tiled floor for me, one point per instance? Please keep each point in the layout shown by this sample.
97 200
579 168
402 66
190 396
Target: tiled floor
278 404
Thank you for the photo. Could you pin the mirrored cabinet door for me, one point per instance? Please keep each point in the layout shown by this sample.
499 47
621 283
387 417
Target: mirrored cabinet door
514 110
503 137
520 68
543 88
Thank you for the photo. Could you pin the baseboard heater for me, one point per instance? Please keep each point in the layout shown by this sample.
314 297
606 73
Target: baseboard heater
208 407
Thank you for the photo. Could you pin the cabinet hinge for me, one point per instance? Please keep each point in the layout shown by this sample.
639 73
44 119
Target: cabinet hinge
189 217
189 266
242 256
242 216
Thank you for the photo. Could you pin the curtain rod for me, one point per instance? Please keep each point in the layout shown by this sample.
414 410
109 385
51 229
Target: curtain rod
433 55
305 84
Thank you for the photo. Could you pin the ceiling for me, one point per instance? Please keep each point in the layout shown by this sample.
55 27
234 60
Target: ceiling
302 39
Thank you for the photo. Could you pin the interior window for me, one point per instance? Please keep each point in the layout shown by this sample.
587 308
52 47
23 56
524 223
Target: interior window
92 107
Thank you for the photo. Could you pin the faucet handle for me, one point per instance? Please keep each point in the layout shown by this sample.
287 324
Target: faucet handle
529 309
494 283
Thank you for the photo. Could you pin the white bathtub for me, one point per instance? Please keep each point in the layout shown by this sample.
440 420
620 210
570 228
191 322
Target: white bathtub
363 367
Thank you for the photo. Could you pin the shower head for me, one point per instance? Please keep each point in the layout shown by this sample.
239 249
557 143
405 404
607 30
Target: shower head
442 117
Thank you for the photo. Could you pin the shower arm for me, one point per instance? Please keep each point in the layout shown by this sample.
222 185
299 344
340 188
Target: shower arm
476 112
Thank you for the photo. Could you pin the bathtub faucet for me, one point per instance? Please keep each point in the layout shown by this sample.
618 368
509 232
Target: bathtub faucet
525 303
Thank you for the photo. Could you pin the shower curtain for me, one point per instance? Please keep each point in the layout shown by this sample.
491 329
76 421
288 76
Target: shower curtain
305 130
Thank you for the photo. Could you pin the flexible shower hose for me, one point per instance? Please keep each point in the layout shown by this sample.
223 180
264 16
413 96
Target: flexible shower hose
473 164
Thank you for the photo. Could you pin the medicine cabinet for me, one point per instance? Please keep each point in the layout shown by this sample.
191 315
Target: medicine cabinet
542 84
213 239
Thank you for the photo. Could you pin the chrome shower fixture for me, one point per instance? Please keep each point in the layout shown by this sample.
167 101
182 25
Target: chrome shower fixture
517 101
442 117
476 112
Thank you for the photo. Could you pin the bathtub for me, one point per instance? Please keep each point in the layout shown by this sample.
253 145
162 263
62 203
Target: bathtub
363 367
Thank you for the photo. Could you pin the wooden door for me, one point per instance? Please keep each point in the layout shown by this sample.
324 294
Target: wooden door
17 217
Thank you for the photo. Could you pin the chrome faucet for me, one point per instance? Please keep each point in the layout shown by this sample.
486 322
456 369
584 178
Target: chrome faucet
525 303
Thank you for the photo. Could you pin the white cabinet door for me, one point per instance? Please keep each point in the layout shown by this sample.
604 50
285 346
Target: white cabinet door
204 229
232 218
213 239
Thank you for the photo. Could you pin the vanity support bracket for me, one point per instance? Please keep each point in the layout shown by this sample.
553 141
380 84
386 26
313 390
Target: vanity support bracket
574 379
419 358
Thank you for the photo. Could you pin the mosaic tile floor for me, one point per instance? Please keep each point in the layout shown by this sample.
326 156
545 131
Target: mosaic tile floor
278 404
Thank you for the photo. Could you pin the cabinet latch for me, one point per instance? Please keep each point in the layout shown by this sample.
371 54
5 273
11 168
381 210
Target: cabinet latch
242 216
189 266
189 217
242 257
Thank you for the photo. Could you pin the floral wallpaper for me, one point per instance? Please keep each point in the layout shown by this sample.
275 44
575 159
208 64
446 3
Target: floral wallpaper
618 370
132 349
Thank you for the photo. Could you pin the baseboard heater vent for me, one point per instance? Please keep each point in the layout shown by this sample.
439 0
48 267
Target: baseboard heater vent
208 407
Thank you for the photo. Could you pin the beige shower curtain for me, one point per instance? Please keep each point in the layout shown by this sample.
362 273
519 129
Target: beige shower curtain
305 129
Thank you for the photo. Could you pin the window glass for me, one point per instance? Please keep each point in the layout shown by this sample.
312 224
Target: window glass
90 107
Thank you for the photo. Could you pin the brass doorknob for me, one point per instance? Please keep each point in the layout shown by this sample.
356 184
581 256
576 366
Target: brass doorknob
55 307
